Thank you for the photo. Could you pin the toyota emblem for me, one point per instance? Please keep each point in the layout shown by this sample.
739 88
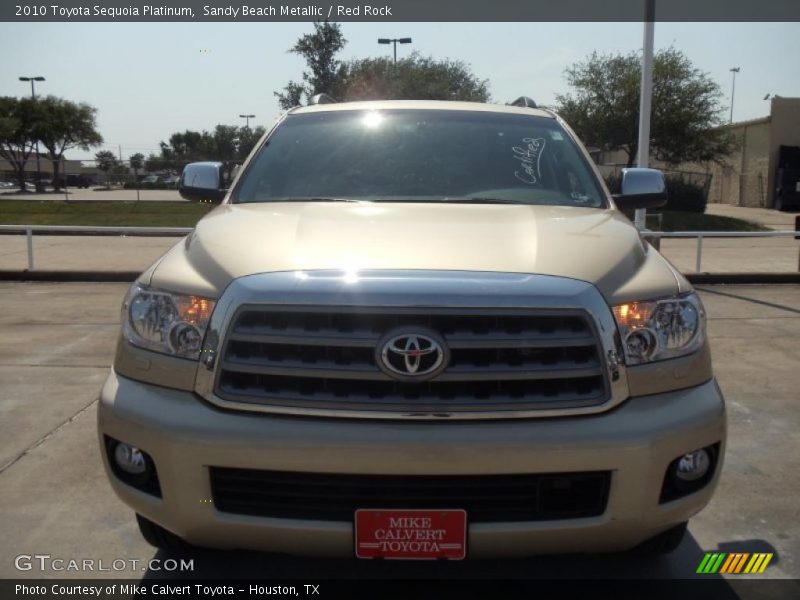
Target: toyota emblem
412 353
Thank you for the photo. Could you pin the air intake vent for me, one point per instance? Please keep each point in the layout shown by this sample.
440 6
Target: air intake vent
336 497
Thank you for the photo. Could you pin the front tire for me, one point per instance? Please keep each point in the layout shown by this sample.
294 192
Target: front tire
157 536
664 542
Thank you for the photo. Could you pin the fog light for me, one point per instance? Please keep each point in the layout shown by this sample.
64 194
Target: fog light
689 473
692 466
130 459
132 466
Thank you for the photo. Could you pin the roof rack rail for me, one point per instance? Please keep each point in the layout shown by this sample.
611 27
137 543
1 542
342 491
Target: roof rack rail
321 99
523 101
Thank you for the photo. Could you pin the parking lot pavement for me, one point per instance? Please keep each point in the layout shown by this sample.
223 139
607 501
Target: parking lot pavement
58 341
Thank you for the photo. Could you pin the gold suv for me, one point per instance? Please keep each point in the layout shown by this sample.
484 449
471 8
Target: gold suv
415 330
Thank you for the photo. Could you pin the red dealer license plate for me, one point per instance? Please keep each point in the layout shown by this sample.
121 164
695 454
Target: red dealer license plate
411 534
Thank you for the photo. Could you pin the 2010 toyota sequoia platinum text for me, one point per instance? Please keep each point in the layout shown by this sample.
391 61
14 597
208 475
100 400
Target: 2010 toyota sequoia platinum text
414 330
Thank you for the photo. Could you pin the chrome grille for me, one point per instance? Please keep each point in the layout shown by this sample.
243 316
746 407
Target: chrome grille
324 358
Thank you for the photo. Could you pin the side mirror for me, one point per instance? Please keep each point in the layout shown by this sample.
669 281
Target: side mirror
641 188
202 181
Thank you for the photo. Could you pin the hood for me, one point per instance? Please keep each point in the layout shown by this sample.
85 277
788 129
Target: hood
595 245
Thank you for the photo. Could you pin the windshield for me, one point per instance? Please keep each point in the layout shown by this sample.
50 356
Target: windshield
420 156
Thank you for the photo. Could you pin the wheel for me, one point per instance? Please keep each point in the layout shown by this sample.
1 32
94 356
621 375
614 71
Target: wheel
664 542
157 536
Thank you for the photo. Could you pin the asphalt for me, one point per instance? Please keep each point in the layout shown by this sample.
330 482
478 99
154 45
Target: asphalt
57 344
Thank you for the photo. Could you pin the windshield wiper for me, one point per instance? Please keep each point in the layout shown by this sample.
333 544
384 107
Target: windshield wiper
431 200
481 200
311 199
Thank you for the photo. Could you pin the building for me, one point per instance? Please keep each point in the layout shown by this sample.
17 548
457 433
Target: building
763 152
67 166
8 173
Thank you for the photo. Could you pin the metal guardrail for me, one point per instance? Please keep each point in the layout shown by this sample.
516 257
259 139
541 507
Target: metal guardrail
89 230
701 235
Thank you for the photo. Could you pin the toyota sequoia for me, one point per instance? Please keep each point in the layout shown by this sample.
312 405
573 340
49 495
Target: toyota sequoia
414 329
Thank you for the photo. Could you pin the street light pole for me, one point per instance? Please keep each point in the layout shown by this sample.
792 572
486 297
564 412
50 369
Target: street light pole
645 101
734 70
33 97
247 119
394 42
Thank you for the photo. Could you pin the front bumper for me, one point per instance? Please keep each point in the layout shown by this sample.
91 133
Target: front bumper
636 441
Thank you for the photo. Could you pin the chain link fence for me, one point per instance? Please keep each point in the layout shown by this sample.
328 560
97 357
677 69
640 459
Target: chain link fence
702 180
688 190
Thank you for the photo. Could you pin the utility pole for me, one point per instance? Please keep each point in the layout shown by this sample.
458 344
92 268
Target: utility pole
247 119
734 70
645 100
33 96
394 42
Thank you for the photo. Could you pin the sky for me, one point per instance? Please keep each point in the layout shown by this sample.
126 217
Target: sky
148 80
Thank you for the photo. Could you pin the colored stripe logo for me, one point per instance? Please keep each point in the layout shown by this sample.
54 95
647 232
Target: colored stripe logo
734 563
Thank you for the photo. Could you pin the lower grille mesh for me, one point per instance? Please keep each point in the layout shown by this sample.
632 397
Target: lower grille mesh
336 497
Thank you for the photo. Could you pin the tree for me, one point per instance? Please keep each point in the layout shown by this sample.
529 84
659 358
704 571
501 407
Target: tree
120 172
188 146
106 162
291 96
248 138
413 78
17 133
137 162
325 72
228 144
224 143
63 125
686 114
160 162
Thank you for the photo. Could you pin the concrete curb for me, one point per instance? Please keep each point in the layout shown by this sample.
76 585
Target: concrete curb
130 276
71 276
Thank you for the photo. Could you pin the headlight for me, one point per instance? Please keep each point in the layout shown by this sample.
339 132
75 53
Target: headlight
170 323
661 329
